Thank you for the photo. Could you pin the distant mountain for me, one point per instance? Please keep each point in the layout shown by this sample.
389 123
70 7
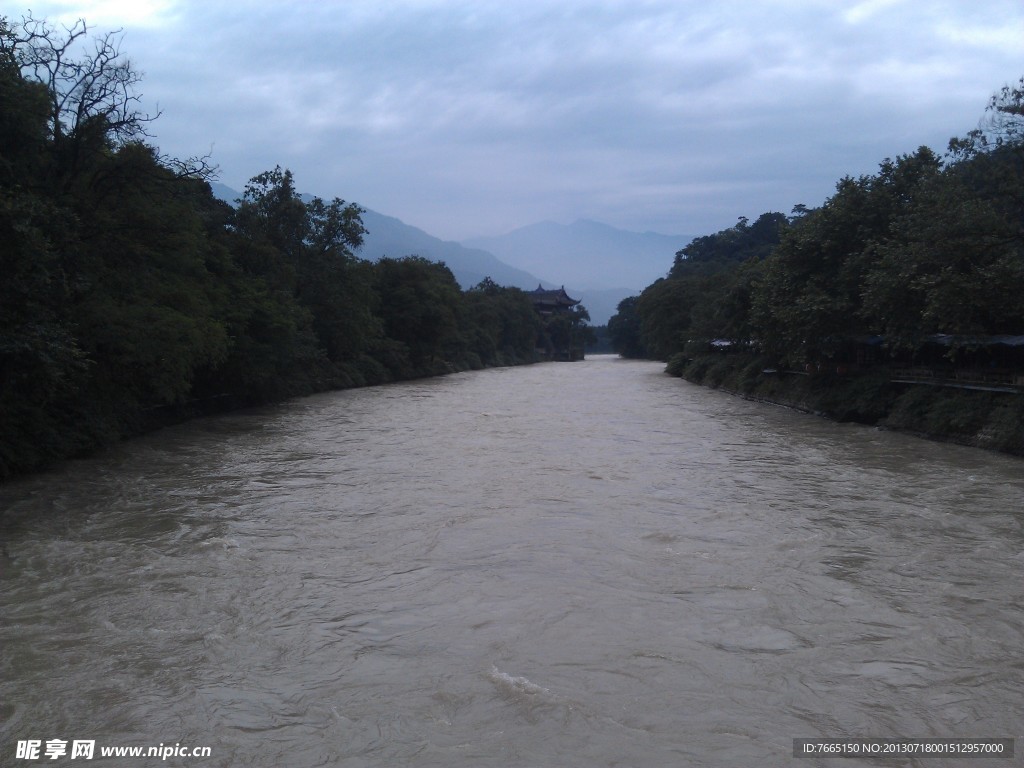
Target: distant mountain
225 193
388 236
587 254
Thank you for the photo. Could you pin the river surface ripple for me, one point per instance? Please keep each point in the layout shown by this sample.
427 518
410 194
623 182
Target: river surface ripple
588 564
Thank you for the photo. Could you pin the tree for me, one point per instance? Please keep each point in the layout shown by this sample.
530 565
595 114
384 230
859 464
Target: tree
499 324
92 103
1001 126
40 358
723 250
105 308
810 298
272 211
709 294
580 334
665 309
724 304
85 87
954 262
420 307
306 250
624 329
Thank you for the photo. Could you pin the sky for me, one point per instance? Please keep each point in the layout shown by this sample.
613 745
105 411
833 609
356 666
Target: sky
470 118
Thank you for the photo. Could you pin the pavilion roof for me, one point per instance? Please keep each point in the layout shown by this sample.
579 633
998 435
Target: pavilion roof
552 297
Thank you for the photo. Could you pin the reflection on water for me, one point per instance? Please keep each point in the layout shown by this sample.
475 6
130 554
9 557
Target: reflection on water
585 564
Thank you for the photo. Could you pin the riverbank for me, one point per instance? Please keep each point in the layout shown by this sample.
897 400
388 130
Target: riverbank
989 420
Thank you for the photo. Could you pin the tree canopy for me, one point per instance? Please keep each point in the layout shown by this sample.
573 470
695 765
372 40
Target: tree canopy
927 245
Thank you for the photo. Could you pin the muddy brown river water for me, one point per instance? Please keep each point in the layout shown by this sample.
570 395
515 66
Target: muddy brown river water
588 564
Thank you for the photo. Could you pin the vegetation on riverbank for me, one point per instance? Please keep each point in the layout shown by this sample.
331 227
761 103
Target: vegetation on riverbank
131 297
914 275
978 418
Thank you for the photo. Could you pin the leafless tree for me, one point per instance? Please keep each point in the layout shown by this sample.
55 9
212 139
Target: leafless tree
1002 125
93 97
86 84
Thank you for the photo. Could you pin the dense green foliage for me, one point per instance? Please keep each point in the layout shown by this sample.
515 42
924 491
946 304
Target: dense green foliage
925 246
991 420
917 268
131 297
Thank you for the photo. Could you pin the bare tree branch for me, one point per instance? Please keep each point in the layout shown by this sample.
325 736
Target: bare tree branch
89 89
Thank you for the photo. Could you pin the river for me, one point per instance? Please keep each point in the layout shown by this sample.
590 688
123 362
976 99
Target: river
588 564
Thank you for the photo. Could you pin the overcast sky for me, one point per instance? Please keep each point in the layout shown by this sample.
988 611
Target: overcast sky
474 118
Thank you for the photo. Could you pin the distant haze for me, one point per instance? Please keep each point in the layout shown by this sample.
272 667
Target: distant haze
388 236
598 264
586 254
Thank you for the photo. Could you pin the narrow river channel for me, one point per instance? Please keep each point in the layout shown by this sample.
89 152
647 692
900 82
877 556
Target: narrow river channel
589 564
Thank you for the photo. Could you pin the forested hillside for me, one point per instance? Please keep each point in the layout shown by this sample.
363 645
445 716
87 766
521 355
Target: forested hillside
913 274
131 297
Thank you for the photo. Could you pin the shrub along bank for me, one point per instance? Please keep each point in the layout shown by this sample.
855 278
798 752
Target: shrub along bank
990 420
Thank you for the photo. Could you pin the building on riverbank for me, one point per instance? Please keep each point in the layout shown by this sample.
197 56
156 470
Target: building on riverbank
550 303
560 338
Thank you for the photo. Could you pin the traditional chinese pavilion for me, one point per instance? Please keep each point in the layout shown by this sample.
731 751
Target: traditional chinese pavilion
551 302
558 339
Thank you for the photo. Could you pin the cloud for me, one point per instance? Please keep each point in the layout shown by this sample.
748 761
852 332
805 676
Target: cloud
107 14
866 10
471 118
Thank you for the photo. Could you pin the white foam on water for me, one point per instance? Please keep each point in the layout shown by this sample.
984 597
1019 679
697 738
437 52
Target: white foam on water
511 684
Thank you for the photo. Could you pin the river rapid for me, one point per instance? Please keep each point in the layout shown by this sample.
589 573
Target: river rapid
588 564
